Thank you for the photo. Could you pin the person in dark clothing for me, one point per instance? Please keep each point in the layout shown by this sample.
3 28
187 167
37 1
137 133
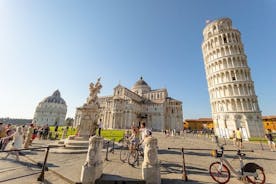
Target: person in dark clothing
270 141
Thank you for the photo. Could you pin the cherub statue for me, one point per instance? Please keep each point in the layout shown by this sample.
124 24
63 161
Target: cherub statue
94 90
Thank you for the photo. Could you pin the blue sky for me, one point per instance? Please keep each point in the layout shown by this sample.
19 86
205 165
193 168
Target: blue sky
49 45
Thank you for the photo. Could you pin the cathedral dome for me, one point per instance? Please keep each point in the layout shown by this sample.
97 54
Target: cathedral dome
140 87
55 98
141 82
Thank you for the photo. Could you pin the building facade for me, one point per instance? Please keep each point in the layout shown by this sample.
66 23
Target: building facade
51 110
130 107
233 100
198 124
269 123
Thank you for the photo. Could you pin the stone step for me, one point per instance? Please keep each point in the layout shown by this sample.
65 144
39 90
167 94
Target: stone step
75 147
68 151
60 142
77 143
81 138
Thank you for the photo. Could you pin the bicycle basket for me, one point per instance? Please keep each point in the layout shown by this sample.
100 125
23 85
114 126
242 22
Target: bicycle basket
216 153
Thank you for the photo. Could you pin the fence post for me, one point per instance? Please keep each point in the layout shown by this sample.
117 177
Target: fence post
113 146
41 176
184 176
106 154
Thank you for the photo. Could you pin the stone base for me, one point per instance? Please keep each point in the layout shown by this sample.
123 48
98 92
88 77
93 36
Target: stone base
73 144
151 174
89 174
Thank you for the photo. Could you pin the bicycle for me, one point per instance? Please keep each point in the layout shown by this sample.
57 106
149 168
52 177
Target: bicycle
133 156
124 153
219 170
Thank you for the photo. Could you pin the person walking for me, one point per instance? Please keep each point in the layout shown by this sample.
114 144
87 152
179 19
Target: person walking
239 138
270 141
17 142
5 140
28 139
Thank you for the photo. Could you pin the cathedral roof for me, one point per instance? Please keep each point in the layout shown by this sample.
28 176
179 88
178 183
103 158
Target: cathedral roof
54 98
140 83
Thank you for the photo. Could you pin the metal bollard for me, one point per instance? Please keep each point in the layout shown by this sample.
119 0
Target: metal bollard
184 176
113 146
41 176
106 154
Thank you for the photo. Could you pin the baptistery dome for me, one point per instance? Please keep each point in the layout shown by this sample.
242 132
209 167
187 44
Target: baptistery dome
51 110
55 98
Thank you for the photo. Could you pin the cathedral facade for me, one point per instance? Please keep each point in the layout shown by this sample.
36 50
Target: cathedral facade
130 107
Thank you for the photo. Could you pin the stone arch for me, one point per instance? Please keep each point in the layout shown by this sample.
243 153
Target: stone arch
223 51
239 105
222 77
235 90
227 76
233 104
227 52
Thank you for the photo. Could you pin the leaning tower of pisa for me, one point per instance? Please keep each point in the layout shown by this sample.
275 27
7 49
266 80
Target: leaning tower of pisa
233 100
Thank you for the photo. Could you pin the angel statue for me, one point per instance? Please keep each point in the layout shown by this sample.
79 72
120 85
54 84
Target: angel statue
94 90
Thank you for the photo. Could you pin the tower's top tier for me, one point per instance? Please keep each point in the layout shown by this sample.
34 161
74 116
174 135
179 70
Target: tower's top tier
216 27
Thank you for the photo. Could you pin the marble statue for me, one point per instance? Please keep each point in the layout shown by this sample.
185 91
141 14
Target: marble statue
94 90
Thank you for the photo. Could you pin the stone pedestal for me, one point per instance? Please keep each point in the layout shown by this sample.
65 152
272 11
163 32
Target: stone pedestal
87 117
150 165
93 167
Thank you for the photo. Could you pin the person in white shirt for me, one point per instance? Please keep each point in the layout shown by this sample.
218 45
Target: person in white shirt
145 132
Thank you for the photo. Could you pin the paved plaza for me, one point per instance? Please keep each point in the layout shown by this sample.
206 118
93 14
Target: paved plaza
66 168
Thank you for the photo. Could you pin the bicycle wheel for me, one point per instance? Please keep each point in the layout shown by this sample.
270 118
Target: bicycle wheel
124 154
132 158
219 173
259 178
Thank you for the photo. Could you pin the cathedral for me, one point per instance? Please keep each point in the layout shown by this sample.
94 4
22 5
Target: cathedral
130 107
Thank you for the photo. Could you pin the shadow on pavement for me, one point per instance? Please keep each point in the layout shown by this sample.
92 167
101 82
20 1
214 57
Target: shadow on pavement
18 177
168 168
116 179
171 152
178 181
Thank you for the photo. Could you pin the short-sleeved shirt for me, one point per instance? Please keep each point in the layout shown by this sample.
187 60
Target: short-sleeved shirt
238 134
100 124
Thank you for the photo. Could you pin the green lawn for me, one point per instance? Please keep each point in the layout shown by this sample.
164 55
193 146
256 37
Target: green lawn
258 139
117 135
113 134
71 131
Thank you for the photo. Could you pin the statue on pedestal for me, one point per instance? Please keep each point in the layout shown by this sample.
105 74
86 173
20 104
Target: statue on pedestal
87 115
94 90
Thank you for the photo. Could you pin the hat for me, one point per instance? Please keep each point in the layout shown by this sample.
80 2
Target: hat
148 132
